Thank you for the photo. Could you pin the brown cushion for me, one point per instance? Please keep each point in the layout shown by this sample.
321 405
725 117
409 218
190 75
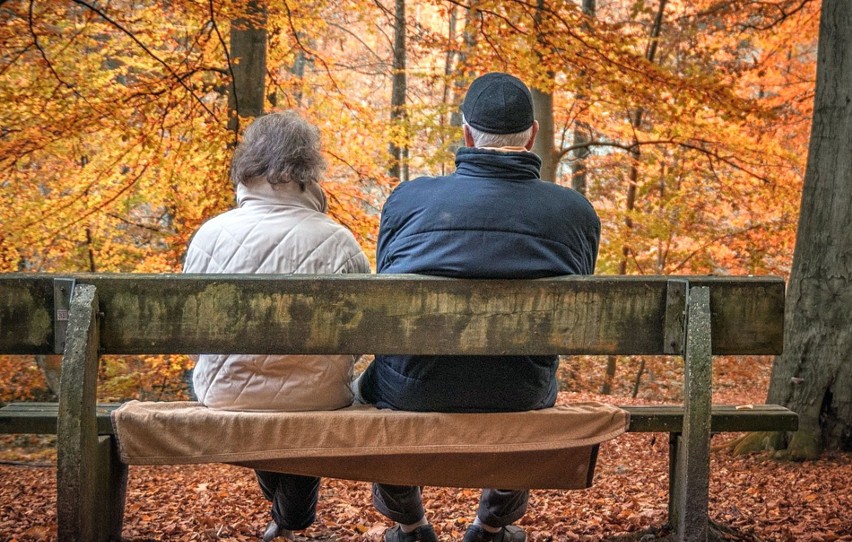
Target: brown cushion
549 448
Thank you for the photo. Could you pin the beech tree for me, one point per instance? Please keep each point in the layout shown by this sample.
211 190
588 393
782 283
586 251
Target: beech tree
814 374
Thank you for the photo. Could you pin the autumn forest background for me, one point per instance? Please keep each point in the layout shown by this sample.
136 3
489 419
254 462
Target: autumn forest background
685 123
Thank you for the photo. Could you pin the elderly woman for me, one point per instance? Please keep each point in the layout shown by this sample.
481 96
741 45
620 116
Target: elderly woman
279 226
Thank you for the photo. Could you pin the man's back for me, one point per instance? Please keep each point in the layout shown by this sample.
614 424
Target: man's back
492 218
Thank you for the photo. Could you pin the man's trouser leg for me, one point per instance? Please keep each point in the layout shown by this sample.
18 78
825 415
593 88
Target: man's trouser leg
402 504
501 507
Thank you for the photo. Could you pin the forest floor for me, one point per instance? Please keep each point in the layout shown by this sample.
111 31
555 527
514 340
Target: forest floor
754 497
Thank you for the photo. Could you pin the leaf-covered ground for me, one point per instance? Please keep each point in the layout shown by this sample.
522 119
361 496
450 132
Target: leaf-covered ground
756 496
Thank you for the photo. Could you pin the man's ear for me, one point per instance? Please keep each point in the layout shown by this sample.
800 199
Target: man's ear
468 138
529 144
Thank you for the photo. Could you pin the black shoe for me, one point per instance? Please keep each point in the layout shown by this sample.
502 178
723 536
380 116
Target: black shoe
509 533
424 533
274 533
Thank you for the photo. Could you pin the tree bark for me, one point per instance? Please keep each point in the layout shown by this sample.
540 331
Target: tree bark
632 184
399 153
545 142
582 131
248 65
463 74
814 375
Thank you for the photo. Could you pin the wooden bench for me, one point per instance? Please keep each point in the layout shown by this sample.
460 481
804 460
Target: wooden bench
692 317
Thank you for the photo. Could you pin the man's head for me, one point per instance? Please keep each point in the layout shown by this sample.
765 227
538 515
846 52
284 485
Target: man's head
498 112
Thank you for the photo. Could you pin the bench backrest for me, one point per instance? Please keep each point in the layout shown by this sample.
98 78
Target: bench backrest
301 314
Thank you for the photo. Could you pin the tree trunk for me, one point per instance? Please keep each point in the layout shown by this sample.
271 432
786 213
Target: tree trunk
398 152
248 65
463 75
814 374
582 131
545 142
632 184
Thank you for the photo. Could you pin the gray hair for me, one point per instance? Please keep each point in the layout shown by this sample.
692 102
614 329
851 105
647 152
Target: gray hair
281 148
484 139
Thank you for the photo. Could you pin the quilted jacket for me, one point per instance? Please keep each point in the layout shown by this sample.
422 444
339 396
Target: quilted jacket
274 230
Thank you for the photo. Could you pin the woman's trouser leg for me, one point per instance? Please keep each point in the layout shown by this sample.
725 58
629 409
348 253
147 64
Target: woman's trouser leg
293 497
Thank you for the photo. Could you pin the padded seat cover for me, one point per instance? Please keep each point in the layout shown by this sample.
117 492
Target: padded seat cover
549 448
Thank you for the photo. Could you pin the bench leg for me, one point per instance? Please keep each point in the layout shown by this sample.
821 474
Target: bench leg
674 490
77 431
690 465
112 487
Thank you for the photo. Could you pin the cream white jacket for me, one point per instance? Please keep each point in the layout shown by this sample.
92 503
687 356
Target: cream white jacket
274 229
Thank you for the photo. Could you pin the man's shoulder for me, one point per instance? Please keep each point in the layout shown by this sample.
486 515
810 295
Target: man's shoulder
414 189
420 182
564 193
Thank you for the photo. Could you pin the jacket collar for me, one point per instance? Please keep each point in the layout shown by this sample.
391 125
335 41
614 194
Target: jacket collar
257 191
498 163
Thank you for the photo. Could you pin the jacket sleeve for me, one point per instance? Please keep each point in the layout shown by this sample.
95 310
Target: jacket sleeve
357 263
388 229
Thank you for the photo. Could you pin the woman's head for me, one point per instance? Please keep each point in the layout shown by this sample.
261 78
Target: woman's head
280 148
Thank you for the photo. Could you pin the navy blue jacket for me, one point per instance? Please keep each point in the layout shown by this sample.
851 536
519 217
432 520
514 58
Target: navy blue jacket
492 218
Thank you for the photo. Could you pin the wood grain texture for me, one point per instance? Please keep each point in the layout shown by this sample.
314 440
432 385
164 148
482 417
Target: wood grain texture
260 314
77 440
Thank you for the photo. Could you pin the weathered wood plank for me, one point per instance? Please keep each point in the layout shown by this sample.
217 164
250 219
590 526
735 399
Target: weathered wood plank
726 418
408 314
26 314
40 418
111 489
691 480
76 458
758 321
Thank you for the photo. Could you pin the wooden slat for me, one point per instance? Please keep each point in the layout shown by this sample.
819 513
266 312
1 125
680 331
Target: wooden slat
725 418
40 418
26 314
757 323
34 418
159 314
77 437
689 491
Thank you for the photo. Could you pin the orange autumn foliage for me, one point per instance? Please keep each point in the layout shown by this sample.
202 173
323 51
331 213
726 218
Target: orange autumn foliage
114 144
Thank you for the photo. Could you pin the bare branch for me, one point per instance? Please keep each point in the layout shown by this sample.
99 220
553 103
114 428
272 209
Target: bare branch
150 53
38 46
227 56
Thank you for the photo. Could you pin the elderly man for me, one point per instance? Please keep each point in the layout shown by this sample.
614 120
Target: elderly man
492 218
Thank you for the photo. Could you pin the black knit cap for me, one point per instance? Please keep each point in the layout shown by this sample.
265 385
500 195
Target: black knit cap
498 103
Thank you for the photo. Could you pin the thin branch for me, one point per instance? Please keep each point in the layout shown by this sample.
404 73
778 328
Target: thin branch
227 56
136 224
43 54
713 241
312 54
150 53
691 146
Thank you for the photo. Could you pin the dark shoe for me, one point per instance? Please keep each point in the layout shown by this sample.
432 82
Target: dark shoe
274 533
424 533
509 533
